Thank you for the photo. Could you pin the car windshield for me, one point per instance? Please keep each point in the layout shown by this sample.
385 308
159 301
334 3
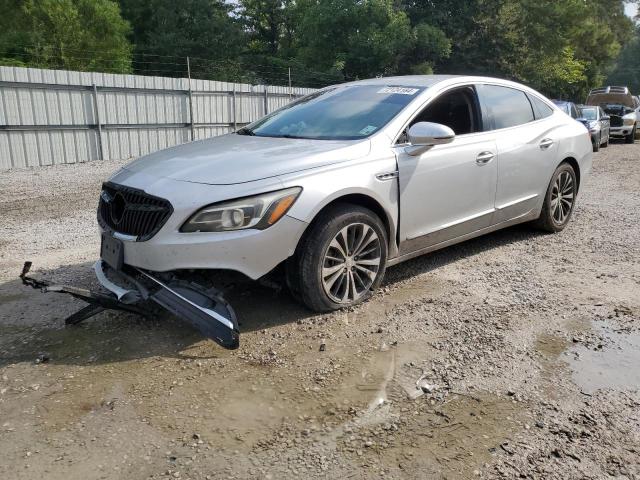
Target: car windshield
340 113
590 113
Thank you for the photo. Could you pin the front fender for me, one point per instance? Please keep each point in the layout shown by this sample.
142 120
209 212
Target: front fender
321 188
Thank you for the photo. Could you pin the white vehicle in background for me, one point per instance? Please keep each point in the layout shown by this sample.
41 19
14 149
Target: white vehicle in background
622 108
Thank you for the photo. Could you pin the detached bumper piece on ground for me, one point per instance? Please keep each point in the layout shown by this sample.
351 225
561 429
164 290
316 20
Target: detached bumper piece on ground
202 308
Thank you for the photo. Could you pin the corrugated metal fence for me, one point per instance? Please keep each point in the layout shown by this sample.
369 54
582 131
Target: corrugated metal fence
56 116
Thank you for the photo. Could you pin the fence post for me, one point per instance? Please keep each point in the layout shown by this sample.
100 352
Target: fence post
235 123
193 135
266 100
97 110
290 84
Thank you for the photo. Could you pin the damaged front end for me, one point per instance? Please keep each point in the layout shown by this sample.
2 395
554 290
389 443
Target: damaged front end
135 290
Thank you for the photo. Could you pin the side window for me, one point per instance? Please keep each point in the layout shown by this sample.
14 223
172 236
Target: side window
457 109
507 106
541 109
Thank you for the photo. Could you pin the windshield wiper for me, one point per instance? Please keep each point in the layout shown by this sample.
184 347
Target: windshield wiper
245 131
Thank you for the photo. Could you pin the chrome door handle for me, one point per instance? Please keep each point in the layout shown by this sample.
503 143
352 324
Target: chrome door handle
546 143
484 158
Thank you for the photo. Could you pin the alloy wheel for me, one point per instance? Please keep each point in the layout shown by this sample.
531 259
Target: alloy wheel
351 263
562 197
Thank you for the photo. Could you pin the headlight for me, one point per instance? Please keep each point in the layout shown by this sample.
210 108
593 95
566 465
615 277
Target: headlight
259 212
594 125
629 119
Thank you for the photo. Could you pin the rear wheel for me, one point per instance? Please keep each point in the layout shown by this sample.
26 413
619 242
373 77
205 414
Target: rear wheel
341 260
559 200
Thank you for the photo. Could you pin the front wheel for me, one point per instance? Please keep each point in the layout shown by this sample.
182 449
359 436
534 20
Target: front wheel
341 260
559 200
631 138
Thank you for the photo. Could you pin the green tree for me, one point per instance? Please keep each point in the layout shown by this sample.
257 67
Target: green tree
560 47
68 34
365 38
270 25
165 32
627 69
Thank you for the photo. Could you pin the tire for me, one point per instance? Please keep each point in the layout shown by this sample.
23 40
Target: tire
631 138
596 144
551 220
318 274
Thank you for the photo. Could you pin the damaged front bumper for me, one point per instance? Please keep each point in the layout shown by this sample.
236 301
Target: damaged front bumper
138 291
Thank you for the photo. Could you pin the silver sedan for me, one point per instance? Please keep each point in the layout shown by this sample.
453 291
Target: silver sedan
347 181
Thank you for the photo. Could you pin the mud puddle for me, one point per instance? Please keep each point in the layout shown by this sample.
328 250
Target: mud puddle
611 362
602 356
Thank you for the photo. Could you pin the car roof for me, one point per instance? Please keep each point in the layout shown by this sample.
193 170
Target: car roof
407 80
427 81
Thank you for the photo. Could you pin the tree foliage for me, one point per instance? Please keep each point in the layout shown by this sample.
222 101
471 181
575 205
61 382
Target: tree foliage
562 47
165 32
67 34
627 68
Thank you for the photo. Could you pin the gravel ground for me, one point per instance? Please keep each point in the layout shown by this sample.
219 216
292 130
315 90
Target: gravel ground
527 347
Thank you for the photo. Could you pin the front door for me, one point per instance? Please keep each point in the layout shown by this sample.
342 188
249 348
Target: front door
446 192
449 190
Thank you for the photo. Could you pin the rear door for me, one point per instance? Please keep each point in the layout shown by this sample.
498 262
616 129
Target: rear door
526 145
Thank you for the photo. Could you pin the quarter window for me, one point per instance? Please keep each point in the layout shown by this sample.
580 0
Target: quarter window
541 109
508 107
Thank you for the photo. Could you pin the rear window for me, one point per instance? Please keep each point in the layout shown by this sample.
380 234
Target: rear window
508 107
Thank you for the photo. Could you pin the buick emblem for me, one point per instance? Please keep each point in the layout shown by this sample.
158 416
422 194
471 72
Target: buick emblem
118 207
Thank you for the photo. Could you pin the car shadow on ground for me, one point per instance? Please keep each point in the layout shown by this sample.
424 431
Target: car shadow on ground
32 323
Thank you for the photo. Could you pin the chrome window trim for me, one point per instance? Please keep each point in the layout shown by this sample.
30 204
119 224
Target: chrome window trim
454 86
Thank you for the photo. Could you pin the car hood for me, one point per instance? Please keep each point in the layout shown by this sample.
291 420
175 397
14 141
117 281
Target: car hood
611 98
233 158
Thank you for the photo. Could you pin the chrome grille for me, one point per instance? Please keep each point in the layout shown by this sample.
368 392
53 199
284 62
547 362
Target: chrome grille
131 212
616 121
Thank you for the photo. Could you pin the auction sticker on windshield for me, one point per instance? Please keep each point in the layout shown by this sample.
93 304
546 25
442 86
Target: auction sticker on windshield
369 129
399 90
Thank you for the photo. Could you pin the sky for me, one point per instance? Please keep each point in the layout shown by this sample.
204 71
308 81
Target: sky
631 9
